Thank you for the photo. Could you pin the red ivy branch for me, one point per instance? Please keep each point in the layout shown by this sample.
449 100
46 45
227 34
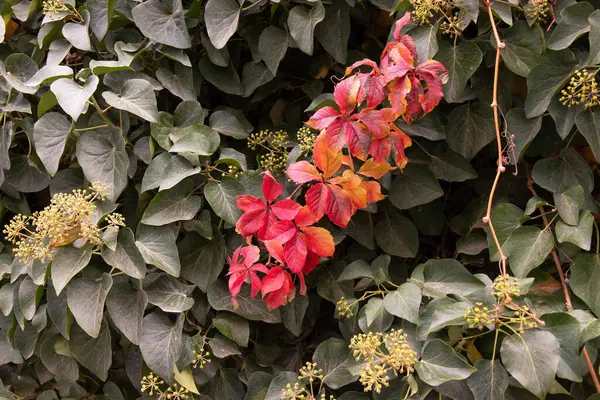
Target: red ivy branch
353 150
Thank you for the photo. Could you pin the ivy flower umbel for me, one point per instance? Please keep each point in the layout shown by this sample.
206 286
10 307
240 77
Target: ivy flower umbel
540 9
306 139
480 316
150 383
69 217
582 89
505 288
54 7
273 146
303 388
382 354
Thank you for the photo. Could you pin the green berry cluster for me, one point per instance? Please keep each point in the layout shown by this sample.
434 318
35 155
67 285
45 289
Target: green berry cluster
582 89
306 139
538 9
272 148
427 11
303 388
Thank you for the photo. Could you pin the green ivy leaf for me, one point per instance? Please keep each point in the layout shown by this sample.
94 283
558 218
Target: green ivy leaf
73 98
103 158
49 136
221 197
373 317
397 235
472 244
67 262
450 166
568 204
30 295
563 116
179 82
255 75
18 69
249 308
566 329
334 31
86 297
157 245
233 327
524 46
58 311
448 276
523 129
490 381
199 140
594 38
167 170
470 128
292 314
78 33
137 97
587 123
26 175
272 45
101 14
415 186
162 22
93 353
126 303
461 61
440 363
202 265
558 174
527 248
48 74
221 18
431 126
532 359
404 302
222 347
425 38
169 294
225 79
579 235
230 122
302 22
334 358
218 57
61 366
171 205
549 75
161 342
573 24
448 315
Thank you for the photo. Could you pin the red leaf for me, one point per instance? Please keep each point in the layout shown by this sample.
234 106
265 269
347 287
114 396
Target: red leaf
312 260
279 287
270 187
249 203
323 117
364 62
317 199
335 135
275 249
398 90
273 280
281 232
269 221
414 98
242 265
294 254
345 94
286 209
371 89
340 207
326 159
400 141
319 241
380 149
405 39
251 222
435 75
303 172
359 140
373 190
306 217
375 123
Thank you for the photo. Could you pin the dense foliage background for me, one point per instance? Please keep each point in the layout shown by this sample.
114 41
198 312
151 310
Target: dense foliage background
158 99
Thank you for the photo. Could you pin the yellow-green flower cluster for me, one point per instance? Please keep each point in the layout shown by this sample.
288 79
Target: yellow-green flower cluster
202 358
523 319
69 217
306 139
303 388
427 10
54 7
540 9
234 171
582 89
382 354
505 287
273 149
344 309
480 316
151 383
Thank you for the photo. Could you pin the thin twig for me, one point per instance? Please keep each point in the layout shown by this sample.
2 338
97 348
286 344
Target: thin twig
500 169
563 282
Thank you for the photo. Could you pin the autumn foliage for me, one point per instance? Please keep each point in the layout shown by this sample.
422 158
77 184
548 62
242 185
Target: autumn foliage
360 127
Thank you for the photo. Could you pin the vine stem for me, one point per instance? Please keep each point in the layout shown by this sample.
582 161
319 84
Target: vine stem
487 219
563 282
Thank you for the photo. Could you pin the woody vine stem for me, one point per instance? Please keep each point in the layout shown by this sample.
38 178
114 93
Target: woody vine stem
487 219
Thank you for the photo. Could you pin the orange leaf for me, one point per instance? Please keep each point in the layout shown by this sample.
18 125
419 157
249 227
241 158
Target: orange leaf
326 159
373 170
319 240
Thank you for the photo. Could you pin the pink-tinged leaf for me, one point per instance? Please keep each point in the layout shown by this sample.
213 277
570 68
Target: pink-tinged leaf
303 172
348 161
294 254
397 70
319 241
345 94
414 99
269 220
284 293
273 280
359 140
270 187
375 123
398 90
373 190
405 39
255 284
275 249
327 160
312 260
235 285
306 217
249 203
335 135
374 169
251 222
364 62
323 118
250 254
434 75
281 232
380 149
286 209
317 199
400 141
372 90
340 207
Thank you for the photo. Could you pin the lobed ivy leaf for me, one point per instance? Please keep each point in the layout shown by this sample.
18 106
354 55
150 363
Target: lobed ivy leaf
50 134
169 294
490 381
137 97
175 204
272 45
68 262
415 186
568 203
524 46
86 298
461 61
302 22
163 22
334 31
404 302
221 18
126 303
440 363
573 24
73 98
95 354
202 265
221 197
594 20
126 257
523 129
233 327
334 358
469 129
157 245
558 174
397 235
581 234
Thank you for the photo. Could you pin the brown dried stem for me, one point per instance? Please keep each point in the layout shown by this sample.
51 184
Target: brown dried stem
563 282
487 219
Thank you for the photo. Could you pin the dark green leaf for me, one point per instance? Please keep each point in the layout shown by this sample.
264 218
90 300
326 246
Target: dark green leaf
225 79
579 235
202 265
73 98
169 294
461 61
397 235
67 262
333 32
440 363
221 197
93 353
249 308
157 245
26 175
568 204
451 166
523 129
101 13
162 22
524 46
49 136
175 204
594 20
137 97
222 347
62 366
566 329
404 302
416 185
230 122
161 342
425 38
255 75
293 314
126 303
86 297
233 327
573 24
334 358
448 276
180 82
302 22
527 248
469 129
199 140
273 44
490 381
218 57
221 17
126 257
558 174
